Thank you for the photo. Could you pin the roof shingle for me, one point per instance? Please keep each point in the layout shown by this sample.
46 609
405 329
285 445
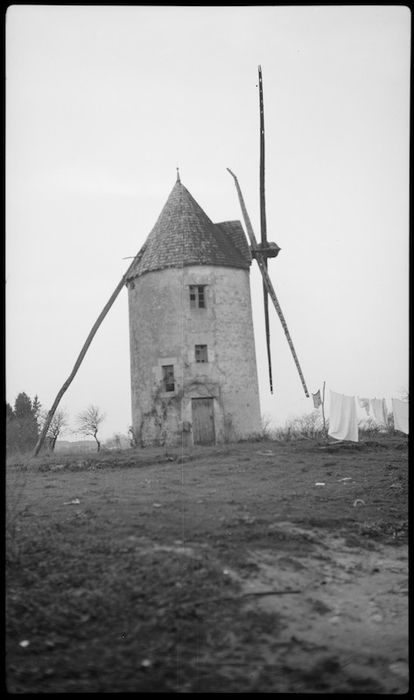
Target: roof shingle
184 235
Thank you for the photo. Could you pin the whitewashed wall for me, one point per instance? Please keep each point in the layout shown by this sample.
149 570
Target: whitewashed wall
164 330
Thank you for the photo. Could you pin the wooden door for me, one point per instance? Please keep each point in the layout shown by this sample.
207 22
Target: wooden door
203 421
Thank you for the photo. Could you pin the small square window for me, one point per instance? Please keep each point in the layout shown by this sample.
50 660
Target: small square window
201 353
168 377
197 296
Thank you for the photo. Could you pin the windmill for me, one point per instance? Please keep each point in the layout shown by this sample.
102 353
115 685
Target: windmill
264 250
217 240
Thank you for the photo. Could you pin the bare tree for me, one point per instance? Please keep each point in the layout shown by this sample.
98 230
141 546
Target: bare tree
58 425
116 442
88 422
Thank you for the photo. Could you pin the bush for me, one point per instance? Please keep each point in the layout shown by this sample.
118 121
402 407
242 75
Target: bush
368 427
310 426
22 429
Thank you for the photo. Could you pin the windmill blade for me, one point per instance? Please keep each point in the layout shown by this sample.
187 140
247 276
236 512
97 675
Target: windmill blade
263 226
83 352
267 331
267 281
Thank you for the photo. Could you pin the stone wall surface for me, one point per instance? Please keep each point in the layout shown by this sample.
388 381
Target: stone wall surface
164 330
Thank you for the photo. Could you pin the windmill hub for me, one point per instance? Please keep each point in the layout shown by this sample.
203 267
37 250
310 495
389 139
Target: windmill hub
265 250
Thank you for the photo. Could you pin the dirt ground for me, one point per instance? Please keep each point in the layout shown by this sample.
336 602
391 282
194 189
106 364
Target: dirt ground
251 567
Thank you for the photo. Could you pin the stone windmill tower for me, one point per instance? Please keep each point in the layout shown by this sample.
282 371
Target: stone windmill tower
193 361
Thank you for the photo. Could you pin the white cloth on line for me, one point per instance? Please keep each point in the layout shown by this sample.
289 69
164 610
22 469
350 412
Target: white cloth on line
379 409
317 399
400 411
364 403
343 423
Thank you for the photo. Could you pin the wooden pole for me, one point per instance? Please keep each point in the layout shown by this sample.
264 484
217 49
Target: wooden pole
323 412
263 225
267 281
82 354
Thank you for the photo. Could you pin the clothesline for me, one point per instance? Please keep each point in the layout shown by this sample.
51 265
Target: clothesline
343 421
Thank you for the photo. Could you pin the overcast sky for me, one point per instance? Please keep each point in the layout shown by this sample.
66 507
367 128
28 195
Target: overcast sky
103 103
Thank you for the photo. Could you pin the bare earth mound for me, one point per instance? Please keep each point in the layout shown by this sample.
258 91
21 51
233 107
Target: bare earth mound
254 567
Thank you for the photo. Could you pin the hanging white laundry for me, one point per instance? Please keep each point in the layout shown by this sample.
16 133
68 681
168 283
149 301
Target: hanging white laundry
400 411
364 403
379 409
343 423
317 399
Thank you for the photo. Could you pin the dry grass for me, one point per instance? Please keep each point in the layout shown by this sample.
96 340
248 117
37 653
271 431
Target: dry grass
118 563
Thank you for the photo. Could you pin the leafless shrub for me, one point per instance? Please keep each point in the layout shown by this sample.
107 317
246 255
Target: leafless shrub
309 426
368 427
88 423
58 426
267 427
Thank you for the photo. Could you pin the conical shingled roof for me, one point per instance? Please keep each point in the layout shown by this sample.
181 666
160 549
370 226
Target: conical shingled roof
184 235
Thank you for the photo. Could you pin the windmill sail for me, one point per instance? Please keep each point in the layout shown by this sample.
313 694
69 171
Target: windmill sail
267 281
82 354
263 227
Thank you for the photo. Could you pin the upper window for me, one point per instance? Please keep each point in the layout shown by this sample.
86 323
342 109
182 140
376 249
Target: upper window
168 377
197 296
201 353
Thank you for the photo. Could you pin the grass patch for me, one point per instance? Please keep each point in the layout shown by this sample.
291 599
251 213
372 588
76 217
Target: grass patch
105 596
109 615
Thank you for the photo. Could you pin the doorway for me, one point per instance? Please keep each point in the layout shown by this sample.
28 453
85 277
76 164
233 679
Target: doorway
203 421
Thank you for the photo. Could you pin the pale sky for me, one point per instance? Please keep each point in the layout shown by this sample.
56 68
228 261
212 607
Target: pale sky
104 102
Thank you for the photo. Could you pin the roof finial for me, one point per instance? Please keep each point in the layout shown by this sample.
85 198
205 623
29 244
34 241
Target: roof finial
178 175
